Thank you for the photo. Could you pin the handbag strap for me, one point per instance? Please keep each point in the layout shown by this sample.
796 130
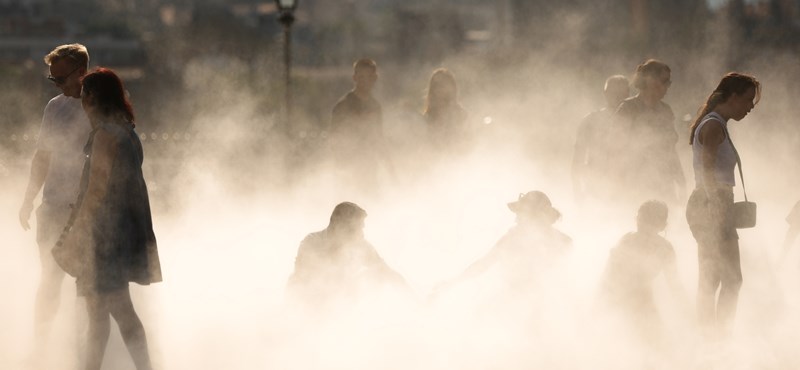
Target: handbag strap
738 159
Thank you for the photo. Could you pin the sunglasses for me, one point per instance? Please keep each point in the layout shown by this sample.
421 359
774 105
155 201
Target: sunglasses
61 80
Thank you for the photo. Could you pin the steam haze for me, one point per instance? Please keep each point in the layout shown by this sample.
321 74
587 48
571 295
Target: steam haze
233 196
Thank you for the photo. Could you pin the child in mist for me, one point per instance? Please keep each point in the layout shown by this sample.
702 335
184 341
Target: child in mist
526 252
338 264
634 264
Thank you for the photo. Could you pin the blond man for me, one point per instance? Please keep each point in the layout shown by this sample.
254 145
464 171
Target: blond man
56 168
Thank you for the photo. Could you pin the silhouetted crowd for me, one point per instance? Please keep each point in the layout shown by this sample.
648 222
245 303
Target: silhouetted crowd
94 220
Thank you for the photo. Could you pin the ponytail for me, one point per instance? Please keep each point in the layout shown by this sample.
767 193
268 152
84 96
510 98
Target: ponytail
732 83
713 100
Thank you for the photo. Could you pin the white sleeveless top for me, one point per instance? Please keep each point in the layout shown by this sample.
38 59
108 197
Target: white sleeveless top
726 156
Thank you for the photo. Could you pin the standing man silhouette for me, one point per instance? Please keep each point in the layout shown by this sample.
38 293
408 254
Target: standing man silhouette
56 167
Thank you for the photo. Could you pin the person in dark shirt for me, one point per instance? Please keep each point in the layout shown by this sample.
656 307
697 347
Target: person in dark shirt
56 171
634 264
337 264
652 169
446 119
356 131
594 155
528 251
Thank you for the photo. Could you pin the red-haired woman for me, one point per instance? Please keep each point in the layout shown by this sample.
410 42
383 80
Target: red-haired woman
710 208
112 224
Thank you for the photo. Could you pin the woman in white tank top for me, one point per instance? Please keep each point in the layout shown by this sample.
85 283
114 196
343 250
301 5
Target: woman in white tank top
709 210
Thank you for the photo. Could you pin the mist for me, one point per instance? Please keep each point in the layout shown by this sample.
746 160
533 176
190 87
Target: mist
233 196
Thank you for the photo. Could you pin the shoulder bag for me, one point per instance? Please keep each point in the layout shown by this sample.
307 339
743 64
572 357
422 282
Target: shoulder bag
744 213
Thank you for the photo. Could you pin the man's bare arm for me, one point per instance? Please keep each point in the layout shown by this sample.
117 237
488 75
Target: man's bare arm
39 167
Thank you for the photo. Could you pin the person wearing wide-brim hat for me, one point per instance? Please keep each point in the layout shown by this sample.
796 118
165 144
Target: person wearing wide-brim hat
532 246
535 206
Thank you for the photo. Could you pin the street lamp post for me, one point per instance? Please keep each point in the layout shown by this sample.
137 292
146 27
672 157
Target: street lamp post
286 17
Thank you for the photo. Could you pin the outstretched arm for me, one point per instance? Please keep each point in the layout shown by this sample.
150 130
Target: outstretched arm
375 264
480 266
793 219
39 167
789 239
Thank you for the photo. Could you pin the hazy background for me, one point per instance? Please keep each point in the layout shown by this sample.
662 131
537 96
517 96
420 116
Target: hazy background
233 193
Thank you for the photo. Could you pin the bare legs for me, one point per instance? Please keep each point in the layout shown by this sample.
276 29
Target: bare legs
711 222
118 305
48 297
50 219
720 268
